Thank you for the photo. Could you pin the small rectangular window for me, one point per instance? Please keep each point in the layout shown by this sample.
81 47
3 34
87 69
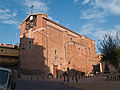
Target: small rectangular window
55 51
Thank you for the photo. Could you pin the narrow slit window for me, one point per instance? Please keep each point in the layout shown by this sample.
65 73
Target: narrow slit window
30 45
55 51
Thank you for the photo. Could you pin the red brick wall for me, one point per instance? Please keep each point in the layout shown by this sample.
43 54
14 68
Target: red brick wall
52 45
35 58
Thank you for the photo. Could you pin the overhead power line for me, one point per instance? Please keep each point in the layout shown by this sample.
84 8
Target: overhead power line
11 14
5 3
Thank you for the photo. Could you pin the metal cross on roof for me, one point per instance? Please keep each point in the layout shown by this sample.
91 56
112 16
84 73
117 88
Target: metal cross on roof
31 9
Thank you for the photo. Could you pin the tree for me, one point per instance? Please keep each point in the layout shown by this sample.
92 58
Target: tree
117 51
110 50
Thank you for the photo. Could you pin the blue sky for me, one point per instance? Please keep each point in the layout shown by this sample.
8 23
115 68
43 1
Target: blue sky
92 18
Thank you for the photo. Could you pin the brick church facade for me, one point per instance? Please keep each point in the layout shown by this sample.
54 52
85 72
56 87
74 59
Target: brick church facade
46 46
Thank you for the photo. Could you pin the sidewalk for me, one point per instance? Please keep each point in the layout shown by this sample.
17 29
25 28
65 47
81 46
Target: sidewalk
94 83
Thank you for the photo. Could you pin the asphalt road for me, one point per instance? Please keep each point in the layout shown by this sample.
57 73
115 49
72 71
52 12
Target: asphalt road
42 85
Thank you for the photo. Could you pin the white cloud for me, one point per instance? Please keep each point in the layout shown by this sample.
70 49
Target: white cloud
83 1
117 27
10 22
75 1
92 14
6 18
53 19
86 1
14 13
38 6
111 6
99 33
4 15
100 9
86 29
96 32
2 11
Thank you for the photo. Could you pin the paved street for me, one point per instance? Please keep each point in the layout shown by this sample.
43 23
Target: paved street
42 85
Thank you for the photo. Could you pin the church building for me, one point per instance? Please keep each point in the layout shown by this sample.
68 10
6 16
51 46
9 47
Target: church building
46 46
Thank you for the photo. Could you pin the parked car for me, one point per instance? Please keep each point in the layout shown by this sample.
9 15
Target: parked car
8 79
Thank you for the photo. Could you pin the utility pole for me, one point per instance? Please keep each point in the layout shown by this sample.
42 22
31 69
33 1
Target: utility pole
16 38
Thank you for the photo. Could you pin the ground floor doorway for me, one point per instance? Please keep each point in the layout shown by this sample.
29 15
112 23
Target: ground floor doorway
55 70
